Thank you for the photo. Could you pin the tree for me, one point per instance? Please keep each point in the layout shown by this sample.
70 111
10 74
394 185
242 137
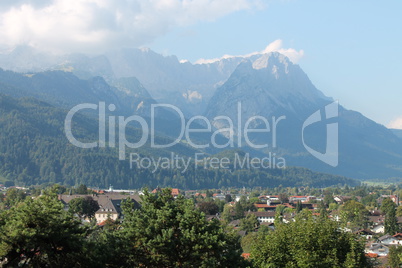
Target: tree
238 211
308 242
387 205
82 189
391 222
107 246
168 232
220 204
328 199
208 194
248 240
298 207
283 198
40 233
249 223
228 198
58 189
209 207
333 206
84 206
14 196
242 206
279 211
354 214
395 256
399 211
322 209
227 213
370 200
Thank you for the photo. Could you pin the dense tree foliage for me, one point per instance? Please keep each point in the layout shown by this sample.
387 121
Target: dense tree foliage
164 232
387 205
208 207
249 223
14 196
354 214
81 189
395 256
173 232
168 232
39 233
391 222
308 242
249 239
84 206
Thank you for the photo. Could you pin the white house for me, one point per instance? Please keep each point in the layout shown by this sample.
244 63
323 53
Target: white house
272 199
367 234
109 204
264 216
297 198
378 228
379 249
388 240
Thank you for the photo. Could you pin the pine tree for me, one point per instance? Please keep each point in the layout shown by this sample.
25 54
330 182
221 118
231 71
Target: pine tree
239 211
391 222
168 232
298 206
39 232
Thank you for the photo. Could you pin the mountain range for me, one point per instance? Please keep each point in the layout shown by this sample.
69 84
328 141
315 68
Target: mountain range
266 85
34 151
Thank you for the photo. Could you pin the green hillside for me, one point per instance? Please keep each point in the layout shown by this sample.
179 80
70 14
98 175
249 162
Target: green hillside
34 150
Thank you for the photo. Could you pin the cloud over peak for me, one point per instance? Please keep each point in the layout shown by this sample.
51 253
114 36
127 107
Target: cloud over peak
99 25
275 46
396 123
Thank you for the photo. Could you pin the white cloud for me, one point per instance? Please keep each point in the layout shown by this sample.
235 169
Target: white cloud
98 25
396 123
275 46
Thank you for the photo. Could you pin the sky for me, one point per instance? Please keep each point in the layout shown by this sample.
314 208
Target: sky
351 50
